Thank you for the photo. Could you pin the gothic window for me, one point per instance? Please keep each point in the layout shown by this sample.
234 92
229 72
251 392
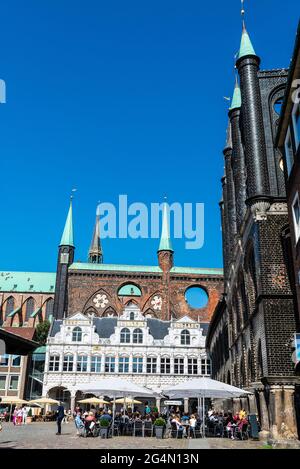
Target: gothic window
125 336
82 363
68 363
137 336
245 306
77 334
179 366
185 338
228 377
96 364
260 370
123 364
165 365
137 365
242 372
110 363
151 364
49 308
192 366
29 308
54 363
250 368
10 305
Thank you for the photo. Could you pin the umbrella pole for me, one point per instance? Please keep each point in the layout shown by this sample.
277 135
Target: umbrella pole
114 411
203 416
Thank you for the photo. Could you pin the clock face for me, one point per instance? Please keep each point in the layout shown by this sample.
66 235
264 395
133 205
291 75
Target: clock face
100 301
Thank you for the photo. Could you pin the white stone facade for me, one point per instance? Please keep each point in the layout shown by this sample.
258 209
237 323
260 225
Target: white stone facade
150 352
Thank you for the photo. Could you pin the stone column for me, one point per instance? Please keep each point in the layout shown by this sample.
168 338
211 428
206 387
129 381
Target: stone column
264 416
158 403
252 404
73 395
186 404
289 416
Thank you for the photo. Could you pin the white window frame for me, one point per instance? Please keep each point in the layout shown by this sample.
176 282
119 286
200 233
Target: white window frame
53 362
110 362
123 364
82 364
68 359
296 225
10 379
165 364
179 366
96 364
192 366
296 109
137 364
5 382
151 365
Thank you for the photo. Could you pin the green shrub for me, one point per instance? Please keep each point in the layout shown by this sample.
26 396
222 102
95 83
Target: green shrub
160 422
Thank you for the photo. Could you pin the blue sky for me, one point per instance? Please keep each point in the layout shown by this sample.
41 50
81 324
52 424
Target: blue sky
119 98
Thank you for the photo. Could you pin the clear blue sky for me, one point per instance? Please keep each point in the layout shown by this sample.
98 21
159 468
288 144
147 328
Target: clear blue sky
119 97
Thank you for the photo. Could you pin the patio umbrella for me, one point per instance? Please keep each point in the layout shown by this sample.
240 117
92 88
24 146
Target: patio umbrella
204 387
44 401
12 400
116 387
93 400
127 400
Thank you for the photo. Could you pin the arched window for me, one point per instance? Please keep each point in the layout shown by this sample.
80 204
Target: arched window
185 337
29 308
260 370
77 334
49 308
137 336
228 377
125 336
131 316
10 305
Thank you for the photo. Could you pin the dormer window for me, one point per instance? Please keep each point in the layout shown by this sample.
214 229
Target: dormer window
185 337
131 316
137 336
77 334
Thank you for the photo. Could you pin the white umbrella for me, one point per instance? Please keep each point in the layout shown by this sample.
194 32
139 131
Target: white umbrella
202 388
115 387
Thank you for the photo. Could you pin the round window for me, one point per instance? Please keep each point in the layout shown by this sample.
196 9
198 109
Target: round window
196 297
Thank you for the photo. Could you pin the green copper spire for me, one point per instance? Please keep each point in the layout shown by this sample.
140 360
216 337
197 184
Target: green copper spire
165 240
67 236
237 98
246 47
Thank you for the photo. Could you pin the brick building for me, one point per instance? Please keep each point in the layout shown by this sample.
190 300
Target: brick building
252 328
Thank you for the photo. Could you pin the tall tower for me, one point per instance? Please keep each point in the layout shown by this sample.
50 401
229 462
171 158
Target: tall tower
165 260
231 210
95 252
165 251
65 259
254 137
238 157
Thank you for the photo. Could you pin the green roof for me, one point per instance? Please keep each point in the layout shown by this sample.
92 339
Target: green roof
67 236
143 268
29 282
246 47
165 240
237 98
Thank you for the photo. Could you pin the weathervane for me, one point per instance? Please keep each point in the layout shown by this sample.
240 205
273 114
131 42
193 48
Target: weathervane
72 191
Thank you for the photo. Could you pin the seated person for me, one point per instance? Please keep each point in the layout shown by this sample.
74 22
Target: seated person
185 418
105 416
90 417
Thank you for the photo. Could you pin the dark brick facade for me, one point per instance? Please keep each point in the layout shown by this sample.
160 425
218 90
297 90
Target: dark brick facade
252 328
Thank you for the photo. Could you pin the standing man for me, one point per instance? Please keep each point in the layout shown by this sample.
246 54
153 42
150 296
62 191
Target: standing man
60 413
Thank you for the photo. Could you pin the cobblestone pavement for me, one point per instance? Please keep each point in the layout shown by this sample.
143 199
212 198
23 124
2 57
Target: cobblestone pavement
42 436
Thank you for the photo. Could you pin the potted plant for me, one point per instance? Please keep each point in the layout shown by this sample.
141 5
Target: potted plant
160 426
29 416
104 426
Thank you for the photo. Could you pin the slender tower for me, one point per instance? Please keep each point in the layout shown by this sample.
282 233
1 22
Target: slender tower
65 259
238 157
95 252
254 138
165 259
231 210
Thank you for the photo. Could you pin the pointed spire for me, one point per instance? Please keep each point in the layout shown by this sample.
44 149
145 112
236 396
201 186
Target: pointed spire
165 240
237 98
246 47
67 236
95 252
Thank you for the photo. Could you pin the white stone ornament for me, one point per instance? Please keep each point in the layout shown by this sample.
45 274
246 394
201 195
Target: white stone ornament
100 301
157 302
